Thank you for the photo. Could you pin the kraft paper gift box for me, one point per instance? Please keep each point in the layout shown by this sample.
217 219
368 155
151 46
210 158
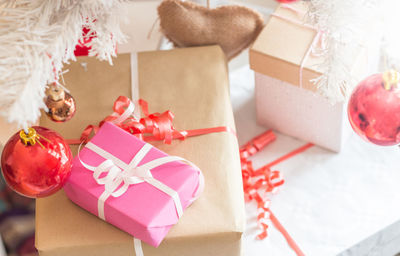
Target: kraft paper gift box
147 208
193 84
281 103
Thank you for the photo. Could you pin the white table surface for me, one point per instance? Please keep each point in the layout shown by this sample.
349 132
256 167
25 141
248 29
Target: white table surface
330 201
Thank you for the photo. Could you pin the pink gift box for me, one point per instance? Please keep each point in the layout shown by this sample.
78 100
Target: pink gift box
143 210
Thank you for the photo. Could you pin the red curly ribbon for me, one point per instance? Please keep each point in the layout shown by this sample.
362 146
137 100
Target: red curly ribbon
152 127
259 184
257 144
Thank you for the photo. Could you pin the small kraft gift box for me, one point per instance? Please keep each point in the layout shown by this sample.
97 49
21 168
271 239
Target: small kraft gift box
193 84
286 99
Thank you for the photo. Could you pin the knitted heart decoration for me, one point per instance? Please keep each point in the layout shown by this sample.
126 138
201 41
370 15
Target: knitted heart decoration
187 24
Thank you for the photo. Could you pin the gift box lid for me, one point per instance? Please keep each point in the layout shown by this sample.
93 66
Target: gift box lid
286 40
282 45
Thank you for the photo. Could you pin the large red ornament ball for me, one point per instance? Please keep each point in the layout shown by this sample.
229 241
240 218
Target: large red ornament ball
374 111
39 168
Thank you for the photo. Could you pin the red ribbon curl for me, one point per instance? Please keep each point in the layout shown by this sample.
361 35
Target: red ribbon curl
260 183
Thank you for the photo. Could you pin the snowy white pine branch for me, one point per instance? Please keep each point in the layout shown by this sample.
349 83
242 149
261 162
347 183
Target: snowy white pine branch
346 25
38 37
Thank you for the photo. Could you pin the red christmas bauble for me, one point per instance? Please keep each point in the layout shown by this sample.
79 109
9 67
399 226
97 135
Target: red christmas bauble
36 164
374 109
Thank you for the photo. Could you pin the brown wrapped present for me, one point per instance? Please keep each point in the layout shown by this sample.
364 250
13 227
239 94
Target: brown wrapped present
193 84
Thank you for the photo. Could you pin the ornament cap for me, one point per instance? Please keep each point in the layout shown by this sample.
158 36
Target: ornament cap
56 93
29 138
391 79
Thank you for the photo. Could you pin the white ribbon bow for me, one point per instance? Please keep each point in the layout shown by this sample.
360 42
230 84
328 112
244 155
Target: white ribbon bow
119 175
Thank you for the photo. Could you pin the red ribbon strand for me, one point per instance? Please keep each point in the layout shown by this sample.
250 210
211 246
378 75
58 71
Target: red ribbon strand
151 127
259 184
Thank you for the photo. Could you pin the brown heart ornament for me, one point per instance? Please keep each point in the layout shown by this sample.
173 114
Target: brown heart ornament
187 24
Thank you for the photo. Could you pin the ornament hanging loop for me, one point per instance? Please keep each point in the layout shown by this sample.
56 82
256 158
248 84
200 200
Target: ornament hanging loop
391 79
29 138
32 137
56 92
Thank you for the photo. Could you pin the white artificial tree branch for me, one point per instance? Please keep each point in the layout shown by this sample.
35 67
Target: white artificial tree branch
37 37
346 24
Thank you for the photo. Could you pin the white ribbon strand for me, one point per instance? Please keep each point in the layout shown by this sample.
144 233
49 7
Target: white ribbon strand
127 113
137 244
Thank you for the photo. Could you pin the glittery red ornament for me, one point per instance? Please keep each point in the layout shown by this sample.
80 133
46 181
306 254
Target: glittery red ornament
36 164
374 109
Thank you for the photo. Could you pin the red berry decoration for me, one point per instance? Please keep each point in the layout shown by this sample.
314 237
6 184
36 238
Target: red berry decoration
374 109
36 164
82 48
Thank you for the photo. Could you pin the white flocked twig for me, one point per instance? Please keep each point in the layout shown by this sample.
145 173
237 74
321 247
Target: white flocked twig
346 24
37 37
